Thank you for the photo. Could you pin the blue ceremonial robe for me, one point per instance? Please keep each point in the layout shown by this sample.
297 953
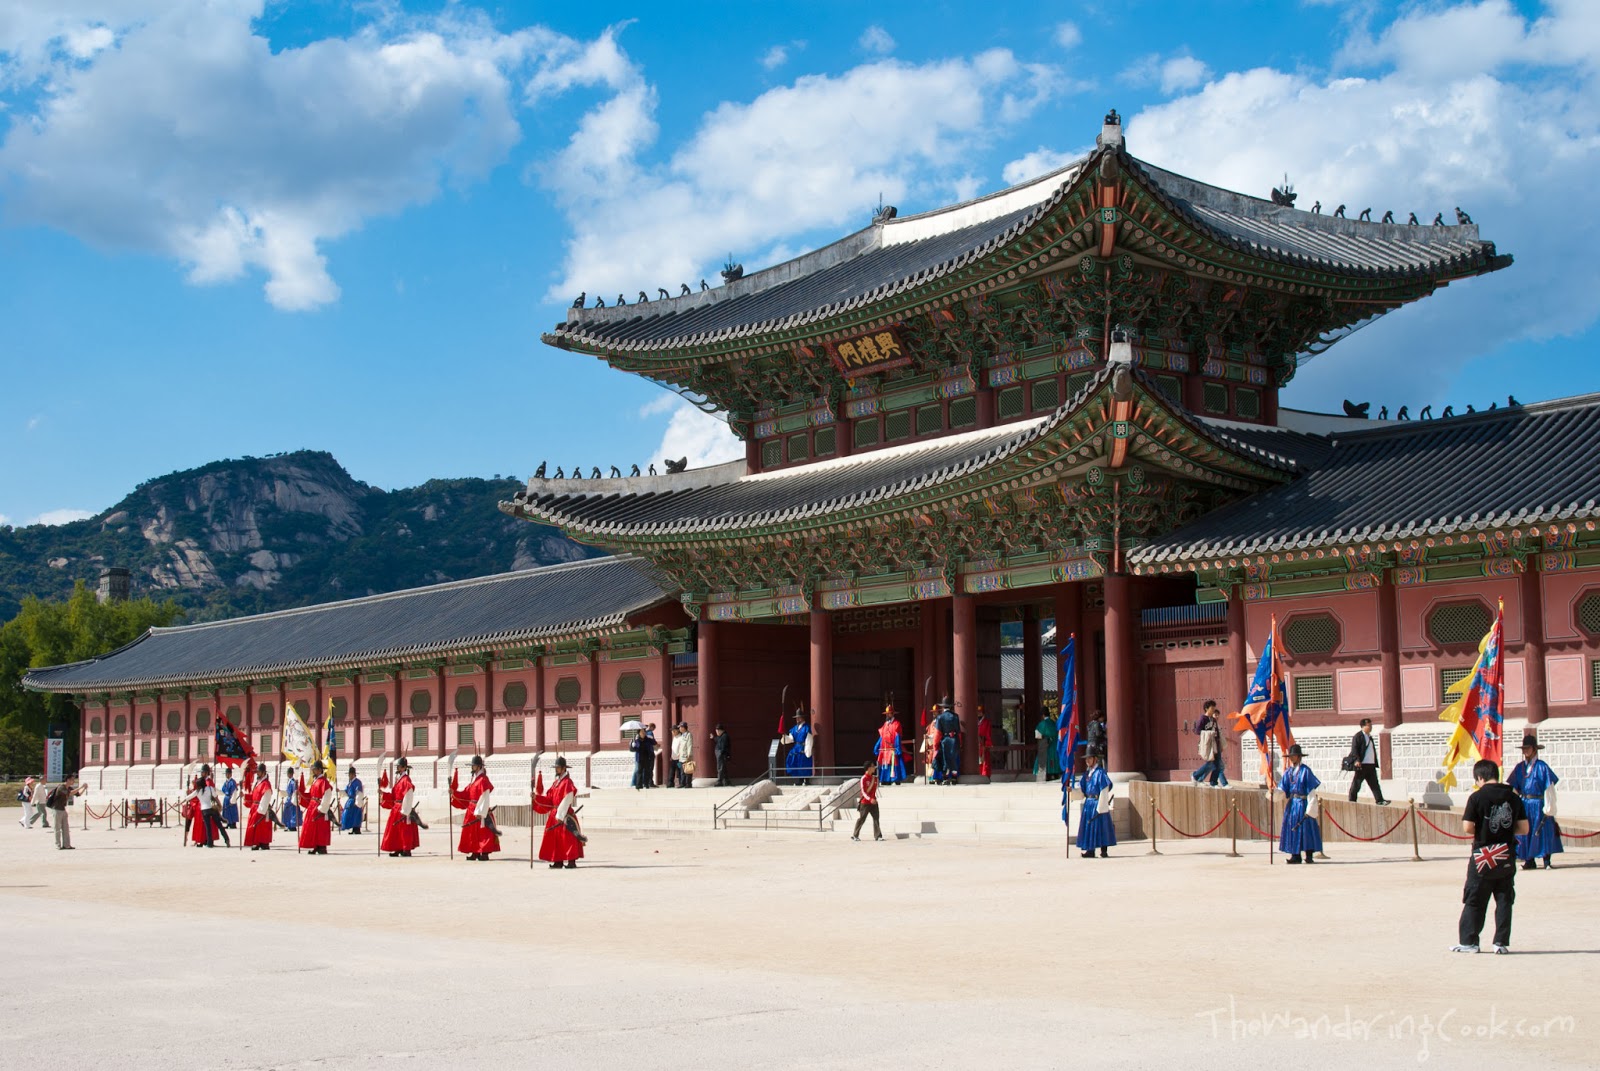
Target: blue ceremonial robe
350 820
290 817
1095 830
797 763
1531 780
1298 833
230 809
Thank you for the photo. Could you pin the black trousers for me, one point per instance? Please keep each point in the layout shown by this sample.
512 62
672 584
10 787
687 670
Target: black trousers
1366 773
722 770
1475 905
862 811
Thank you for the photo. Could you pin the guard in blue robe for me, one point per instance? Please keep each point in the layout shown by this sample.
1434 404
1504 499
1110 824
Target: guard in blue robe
230 809
289 813
886 750
1300 833
802 741
350 819
1095 828
1531 779
947 765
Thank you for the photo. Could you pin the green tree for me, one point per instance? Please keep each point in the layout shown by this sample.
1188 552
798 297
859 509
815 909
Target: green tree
51 633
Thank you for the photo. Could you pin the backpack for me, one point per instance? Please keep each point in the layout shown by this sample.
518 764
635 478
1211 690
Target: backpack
53 800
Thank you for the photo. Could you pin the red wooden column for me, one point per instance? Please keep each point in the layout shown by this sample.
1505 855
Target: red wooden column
822 684
1533 642
1121 757
538 703
358 716
709 684
1069 622
1389 651
488 707
400 745
964 671
439 683
188 722
1235 663
594 700
321 716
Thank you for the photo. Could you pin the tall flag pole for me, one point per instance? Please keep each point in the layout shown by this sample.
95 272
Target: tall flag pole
1067 728
1479 713
330 750
1266 708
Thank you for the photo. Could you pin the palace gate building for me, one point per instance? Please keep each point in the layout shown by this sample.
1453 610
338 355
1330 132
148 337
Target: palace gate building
1057 402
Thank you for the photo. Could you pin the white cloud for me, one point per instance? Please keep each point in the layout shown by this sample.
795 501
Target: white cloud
698 436
34 422
1415 136
1040 161
171 126
876 39
1068 35
661 403
775 57
1173 73
754 176
50 517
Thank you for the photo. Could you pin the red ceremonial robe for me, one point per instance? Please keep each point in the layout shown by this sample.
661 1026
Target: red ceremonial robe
197 817
476 836
401 834
258 826
985 742
315 829
558 845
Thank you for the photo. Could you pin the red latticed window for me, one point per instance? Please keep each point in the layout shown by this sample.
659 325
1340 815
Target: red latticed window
174 720
338 706
568 691
771 454
865 432
630 687
799 447
1215 397
421 701
466 699
513 732
1594 683
1455 623
1311 634
377 705
897 426
419 736
120 725
963 412
1046 394
514 696
464 733
930 420
826 441
1171 387
567 730
1009 404
1588 613
147 723
374 740
1313 692
1247 403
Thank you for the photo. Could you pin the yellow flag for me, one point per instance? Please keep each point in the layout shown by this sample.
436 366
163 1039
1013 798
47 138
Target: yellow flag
1462 747
299 746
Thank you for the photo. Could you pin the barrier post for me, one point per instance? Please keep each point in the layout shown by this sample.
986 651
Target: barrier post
1233 828
1155 823
1272 804
1416 853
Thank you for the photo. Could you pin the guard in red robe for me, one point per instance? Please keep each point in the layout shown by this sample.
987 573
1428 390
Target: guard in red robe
316 833
479 837
401 836
258 821
563 842
985 742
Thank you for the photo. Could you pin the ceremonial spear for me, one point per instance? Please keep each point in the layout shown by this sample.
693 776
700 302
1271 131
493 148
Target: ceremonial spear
381 774
450 800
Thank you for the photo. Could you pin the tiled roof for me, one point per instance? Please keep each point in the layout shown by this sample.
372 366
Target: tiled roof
884 259
1506 467
506 609
821 488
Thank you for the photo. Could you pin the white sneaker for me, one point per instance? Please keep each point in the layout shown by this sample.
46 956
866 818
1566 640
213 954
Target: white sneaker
1464 948
1502 950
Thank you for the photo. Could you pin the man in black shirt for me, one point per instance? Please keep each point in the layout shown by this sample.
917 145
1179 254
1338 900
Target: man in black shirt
722 748
1494 816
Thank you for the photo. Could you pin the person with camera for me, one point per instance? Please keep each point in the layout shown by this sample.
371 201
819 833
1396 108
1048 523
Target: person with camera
57 800
722 748
1362 763
1212 764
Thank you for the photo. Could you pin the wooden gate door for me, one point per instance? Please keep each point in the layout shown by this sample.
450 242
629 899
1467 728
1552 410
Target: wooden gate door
1177 695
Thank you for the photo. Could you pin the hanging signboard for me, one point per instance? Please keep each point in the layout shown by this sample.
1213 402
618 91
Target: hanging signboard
876 351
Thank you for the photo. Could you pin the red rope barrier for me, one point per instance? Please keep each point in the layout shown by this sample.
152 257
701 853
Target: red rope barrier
107 813
1580 836
1380 836
1252 825
1193 836
1446 832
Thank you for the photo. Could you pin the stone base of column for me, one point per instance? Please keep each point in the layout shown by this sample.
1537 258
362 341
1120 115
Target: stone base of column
1118 778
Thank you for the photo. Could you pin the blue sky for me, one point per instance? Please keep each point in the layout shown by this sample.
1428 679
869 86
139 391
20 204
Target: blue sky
230 227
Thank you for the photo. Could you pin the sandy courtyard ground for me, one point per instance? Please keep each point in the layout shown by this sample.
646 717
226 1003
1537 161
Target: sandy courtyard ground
729 951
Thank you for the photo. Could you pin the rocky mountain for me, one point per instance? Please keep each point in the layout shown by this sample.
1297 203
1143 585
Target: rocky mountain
255 534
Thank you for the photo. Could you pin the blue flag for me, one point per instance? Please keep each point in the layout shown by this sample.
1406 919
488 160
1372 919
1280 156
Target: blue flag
1266 708
1067 722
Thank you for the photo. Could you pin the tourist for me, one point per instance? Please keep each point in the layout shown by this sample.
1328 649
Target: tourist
230 809
563 841
259 818
722 749
35 807
1495 818
289 805
1094 735
948 768
58 800
355 804
682 756
1046 756
1213 764
643 746
1363 761
25 797
1532 779
316 825
802 741
985 742
867 804
1095 827
886 749
1300 834
400 836
479 837
205 811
